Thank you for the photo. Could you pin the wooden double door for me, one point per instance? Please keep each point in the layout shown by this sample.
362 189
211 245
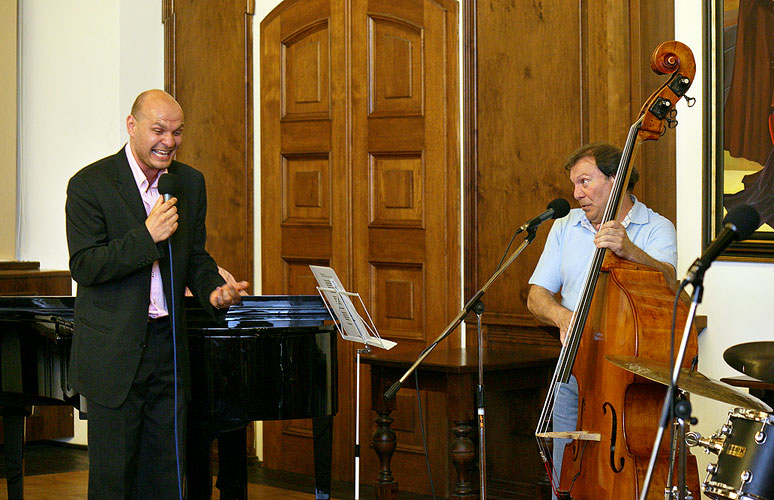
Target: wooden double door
360 172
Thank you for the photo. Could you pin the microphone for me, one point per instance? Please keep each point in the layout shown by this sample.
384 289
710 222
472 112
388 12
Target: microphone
557 209
168 185
739 224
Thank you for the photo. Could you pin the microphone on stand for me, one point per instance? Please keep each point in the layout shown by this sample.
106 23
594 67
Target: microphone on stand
167 185
739 224
557 209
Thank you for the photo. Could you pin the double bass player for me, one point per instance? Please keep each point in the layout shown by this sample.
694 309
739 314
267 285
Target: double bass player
638 234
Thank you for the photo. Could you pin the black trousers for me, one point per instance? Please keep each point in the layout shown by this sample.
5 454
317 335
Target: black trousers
132 451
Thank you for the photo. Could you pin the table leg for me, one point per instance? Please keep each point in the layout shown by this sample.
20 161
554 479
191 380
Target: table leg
463 455
384 442
459 393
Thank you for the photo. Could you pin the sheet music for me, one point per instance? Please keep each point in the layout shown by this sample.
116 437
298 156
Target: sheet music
352 325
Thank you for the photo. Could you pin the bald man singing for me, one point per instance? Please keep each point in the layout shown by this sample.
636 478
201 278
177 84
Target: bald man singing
123 360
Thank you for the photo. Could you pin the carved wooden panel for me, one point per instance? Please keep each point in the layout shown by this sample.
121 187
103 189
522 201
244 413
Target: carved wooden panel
397 187
306 77
400 300
306 189
396 65
358 98
401 108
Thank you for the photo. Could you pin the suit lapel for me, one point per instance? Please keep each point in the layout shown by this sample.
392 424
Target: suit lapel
126 185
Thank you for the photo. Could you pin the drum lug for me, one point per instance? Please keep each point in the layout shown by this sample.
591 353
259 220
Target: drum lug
713 444
712 469
760 437
674 492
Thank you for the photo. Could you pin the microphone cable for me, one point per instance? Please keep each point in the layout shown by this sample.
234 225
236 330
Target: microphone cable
424 437
175 369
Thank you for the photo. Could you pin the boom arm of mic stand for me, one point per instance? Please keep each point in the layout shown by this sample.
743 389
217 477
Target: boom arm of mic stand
464 312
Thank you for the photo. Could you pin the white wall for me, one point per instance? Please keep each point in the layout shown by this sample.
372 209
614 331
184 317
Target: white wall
83 62
737 296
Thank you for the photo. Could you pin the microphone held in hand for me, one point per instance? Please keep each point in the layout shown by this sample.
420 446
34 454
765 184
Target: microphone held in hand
740 223
557 209
168 185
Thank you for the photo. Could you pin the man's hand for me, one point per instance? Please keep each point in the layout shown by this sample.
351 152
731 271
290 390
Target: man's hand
162 220
542 304
612 235
228 294
563 320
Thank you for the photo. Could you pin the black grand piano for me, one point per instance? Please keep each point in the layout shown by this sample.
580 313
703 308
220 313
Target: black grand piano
270 358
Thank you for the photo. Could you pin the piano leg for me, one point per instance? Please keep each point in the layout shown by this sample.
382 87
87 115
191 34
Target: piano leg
197 462
13 449
322 431
232 465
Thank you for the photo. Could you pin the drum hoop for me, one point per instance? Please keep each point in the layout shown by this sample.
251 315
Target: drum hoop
722 489
755 415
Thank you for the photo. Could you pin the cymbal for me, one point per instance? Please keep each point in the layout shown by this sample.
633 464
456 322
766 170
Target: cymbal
755 359
692 382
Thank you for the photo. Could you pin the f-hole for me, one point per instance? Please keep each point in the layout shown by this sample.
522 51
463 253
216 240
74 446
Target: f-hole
613 432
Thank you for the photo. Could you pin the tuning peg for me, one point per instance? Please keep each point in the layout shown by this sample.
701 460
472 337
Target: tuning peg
690 101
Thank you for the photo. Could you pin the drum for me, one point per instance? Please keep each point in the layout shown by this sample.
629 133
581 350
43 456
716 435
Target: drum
745 466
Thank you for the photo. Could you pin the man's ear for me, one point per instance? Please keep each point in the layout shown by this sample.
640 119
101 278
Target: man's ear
131 123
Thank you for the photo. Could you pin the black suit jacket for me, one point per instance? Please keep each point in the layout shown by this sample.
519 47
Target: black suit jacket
111 255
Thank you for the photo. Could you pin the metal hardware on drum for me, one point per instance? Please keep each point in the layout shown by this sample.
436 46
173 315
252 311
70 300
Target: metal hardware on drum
711 445
745 466
674 492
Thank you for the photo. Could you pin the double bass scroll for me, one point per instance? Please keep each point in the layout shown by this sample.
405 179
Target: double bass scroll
624 309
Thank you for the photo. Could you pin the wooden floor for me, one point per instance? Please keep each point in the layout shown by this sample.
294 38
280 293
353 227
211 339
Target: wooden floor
72 486
60 472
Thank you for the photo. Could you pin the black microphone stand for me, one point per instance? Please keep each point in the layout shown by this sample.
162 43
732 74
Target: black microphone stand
476 305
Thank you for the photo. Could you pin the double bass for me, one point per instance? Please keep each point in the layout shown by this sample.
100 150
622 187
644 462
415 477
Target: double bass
624 309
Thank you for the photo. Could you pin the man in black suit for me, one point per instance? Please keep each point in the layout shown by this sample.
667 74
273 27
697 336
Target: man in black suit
122 356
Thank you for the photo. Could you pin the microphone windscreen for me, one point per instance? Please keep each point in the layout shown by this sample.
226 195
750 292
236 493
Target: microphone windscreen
746 220
561 208
168 184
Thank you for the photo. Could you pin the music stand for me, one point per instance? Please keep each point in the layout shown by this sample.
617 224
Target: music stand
352 327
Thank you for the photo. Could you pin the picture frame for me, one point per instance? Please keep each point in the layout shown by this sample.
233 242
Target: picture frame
738 122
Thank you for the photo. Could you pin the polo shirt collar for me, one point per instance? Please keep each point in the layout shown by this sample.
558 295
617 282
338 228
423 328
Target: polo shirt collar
638 214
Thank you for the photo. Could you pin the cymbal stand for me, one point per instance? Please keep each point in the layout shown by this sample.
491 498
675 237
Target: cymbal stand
698 290
682 417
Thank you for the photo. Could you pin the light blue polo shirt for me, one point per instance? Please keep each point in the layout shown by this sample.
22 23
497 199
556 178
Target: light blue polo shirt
570 248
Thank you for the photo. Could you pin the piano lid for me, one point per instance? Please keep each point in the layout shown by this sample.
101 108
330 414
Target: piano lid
263 311
260 311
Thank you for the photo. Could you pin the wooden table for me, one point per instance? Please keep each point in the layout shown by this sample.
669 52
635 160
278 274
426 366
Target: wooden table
525 372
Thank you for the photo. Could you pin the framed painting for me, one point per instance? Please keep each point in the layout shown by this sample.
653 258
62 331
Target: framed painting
739 120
